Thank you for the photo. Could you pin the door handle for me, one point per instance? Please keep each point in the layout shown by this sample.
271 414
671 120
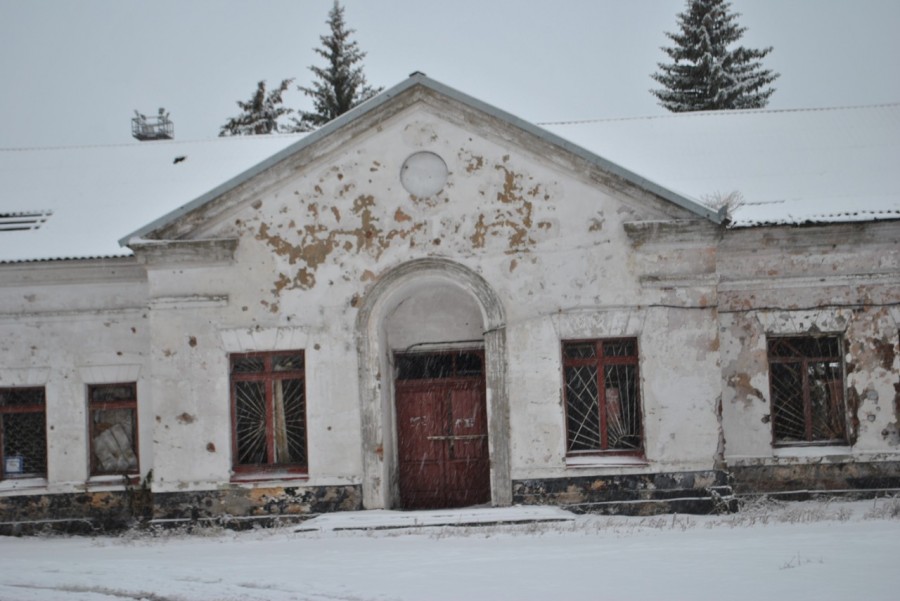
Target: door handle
466 437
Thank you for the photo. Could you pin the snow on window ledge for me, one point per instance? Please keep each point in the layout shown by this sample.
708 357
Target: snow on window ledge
22 484
274 477
811 451
112 481
579 461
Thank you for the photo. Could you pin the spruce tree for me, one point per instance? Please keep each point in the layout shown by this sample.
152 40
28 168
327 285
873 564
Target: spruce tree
708 73
260 114
340 85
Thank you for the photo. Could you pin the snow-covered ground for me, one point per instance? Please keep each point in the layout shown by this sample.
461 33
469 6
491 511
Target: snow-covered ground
797 551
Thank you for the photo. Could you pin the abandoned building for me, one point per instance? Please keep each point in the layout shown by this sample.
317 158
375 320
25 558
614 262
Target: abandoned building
431 303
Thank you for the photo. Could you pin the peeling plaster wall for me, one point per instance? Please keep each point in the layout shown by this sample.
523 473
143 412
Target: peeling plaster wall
549 240
841 280
192 338
64 328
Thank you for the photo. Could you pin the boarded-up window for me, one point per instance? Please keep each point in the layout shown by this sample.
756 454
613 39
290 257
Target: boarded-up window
806 379
603 410
268 393
113 415
23 432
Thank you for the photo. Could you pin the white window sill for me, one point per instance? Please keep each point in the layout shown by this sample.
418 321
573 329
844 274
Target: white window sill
811 451
112 481
586 461
263 477
22 484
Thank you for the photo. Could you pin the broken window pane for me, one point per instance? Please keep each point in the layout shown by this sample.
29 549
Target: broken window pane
603 411
113 441
113 431
807 390
23 431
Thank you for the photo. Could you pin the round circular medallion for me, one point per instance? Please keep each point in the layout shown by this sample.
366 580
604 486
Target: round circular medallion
423 174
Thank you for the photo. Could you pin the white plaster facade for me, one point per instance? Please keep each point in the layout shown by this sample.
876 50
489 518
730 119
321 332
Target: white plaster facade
526 244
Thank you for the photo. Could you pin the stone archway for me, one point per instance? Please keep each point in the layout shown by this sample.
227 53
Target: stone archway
376 381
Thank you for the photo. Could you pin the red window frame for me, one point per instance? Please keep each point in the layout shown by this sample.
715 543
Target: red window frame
127 402
600 361
784 352
268 375
17 408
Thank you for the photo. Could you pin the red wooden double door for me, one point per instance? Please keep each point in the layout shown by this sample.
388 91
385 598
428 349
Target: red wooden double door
442 430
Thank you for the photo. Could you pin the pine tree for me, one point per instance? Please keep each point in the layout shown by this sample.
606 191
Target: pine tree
340 85
706 74
260 114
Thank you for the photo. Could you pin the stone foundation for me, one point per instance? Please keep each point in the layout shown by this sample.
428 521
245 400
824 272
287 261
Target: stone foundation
83 512
698 492
232 506
238 504
802 481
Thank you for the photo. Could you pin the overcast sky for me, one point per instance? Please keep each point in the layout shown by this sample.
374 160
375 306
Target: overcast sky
73 72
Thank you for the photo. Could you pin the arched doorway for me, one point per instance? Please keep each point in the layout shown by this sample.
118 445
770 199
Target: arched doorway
420 328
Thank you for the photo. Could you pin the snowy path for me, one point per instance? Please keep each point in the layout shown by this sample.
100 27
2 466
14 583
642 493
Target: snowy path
801 551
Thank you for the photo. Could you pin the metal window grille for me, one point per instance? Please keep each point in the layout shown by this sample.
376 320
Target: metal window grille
23 432
603 411
269 410
806 380
113 428
439 366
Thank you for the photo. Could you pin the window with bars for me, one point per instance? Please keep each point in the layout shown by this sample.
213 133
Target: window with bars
23 432
603 410
268 394
806 381
113 428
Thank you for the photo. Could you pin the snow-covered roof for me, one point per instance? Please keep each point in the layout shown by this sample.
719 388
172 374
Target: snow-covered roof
785 167
781 167
88 197
419 80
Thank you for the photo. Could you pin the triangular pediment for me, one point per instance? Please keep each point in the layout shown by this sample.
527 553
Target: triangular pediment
416 93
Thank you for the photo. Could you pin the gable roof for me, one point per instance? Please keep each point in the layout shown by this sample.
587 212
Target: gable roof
420 80
788 166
